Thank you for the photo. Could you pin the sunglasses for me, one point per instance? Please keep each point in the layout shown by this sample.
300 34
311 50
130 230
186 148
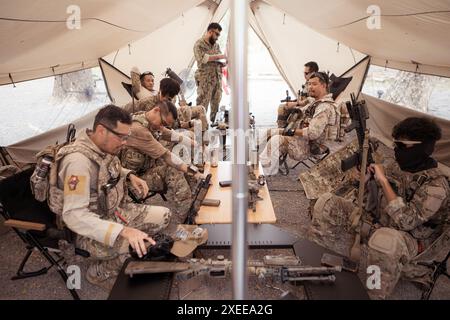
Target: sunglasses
121 136
404 143
320 75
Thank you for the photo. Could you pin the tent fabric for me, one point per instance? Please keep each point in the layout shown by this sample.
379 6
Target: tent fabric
384 116
26 150
36 41
358 73
168 47
113 81
411 33
294 44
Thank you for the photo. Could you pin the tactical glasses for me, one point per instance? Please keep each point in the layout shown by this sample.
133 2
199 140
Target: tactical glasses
121 136
403 143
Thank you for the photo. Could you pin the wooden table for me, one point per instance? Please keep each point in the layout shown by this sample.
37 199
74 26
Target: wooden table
223 214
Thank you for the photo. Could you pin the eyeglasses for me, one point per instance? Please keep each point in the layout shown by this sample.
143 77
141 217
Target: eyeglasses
403 143
164 122
121 136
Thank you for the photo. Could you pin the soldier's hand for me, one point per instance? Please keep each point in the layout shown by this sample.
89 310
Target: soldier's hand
136 240
378 171
139 184
199 176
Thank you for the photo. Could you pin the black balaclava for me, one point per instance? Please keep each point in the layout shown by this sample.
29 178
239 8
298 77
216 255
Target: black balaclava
416 158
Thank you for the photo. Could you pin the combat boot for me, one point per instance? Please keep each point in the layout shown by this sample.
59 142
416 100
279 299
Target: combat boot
104 273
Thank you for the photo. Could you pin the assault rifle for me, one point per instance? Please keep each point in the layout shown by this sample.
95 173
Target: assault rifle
199 196
278 268
362 158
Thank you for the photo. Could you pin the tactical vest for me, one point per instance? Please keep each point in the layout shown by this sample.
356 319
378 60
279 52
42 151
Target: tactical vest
332 130
111 186
430 231
131 158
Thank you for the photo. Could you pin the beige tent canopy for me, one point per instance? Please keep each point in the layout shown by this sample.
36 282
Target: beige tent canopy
154 35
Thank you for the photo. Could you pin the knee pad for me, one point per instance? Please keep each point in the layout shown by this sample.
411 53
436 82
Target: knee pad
319 206
386 240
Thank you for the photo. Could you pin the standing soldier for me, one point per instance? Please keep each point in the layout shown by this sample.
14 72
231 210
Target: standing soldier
209 73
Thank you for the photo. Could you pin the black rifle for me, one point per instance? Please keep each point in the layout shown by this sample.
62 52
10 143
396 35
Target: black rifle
359 114
362 158
199 196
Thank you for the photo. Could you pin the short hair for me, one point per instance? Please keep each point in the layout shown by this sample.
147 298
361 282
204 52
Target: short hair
146 73
169 87
313 66
167 107
418 129
110 115
214 26
322 76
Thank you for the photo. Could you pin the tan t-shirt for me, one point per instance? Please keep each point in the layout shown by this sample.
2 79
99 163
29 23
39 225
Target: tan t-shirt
143 140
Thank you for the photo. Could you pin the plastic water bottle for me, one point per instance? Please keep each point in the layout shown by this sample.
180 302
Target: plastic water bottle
43 168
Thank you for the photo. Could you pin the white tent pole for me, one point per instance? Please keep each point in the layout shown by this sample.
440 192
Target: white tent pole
238 72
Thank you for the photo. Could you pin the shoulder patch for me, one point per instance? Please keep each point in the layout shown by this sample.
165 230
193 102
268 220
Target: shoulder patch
75 185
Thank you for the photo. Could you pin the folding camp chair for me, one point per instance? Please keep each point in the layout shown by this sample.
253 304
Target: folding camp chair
314 159
36 226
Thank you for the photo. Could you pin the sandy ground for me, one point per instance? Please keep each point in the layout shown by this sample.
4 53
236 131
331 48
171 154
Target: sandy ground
291 208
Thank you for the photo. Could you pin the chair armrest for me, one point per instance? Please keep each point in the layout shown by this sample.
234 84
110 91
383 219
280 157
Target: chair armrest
26 225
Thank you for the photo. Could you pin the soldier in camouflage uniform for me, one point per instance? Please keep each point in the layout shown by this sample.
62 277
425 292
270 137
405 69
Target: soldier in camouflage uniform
409 229
160 168
168 90
88 189
209 73
319 123
303 100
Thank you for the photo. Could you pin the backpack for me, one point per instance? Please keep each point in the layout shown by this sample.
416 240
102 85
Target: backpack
45 172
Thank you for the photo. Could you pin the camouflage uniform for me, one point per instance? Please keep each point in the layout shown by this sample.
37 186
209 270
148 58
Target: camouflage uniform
97 215
408 234
144 104
208 76
320 123
143 154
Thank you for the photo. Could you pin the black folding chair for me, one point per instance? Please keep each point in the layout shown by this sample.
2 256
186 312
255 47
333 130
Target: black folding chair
36 226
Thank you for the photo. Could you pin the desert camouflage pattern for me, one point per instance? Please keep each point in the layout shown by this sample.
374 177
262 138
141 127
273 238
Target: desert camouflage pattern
162 177
327 175
407 233
320 122
136 216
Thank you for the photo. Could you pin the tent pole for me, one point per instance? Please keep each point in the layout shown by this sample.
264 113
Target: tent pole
238 73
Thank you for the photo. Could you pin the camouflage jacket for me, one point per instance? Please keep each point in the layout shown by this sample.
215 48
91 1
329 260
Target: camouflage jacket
426 213
87 187
320 120
207 70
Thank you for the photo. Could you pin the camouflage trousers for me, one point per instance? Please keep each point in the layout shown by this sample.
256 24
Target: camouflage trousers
296 147
162 177
147 218
394 252
209 90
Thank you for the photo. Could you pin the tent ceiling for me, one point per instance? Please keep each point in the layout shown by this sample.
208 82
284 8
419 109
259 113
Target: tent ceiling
411 30
30 49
